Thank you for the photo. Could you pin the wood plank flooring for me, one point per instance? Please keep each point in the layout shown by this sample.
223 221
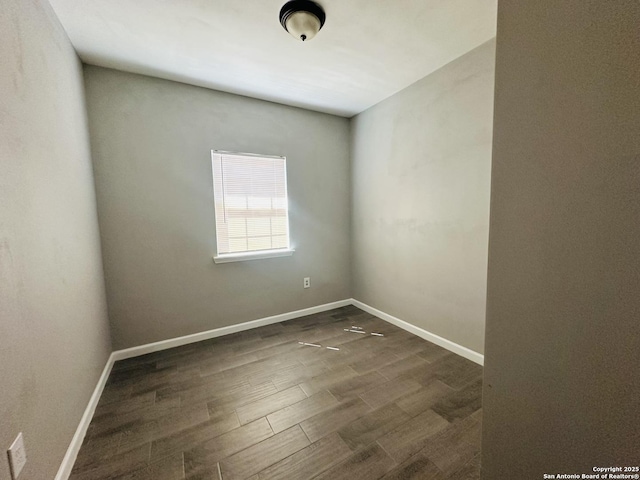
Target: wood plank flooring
259 405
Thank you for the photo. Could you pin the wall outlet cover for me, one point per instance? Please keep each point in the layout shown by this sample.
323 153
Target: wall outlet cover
17 456
306 283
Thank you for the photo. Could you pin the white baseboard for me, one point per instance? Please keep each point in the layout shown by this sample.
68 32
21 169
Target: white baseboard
72 452
76 442
218 332
432 337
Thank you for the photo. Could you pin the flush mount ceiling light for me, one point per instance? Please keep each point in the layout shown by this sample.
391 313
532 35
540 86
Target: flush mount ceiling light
302 18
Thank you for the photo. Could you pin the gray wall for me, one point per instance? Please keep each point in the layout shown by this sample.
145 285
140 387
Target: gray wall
421 164
54 339
151 142
562 390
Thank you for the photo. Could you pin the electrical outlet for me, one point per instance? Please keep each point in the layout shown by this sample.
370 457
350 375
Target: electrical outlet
17 456
306 283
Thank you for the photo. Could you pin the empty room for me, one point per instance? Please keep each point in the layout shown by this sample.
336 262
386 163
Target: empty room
319 240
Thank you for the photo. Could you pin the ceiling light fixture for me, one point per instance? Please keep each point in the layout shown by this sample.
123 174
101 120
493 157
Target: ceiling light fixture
302 18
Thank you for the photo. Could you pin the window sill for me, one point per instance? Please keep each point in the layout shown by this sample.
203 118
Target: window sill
241 257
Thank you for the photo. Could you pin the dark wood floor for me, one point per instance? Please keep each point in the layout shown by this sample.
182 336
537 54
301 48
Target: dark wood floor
259 405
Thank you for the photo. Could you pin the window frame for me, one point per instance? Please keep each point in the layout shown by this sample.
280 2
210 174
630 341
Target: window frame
252 254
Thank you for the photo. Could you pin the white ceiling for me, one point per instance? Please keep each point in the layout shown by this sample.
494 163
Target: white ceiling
366 51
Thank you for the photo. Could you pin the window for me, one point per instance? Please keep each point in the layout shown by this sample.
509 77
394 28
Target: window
250 193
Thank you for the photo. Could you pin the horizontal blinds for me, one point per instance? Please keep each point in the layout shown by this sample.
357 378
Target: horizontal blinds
250 203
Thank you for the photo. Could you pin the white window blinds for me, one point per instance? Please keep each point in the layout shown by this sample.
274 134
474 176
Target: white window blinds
250 194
